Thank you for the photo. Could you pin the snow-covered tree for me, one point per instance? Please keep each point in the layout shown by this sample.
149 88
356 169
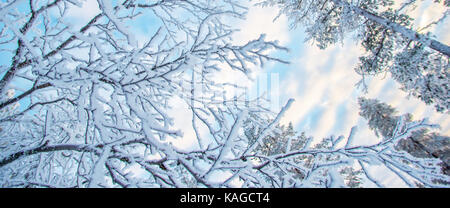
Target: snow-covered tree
341 162
99 96
380 116
289 160
417 61
285 139
382 119
424 74
276 142
96 100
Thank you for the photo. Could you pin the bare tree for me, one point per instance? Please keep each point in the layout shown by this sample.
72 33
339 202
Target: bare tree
99 97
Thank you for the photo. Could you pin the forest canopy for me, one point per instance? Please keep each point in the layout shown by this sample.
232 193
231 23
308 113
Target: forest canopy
134 93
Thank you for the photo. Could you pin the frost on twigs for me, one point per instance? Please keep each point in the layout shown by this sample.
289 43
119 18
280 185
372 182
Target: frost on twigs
328 164
99 97
99 110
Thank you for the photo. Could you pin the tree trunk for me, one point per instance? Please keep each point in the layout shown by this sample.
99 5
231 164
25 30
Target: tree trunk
408 33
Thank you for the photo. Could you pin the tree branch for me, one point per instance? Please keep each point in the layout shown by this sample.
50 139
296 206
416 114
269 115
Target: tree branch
50 148
13 100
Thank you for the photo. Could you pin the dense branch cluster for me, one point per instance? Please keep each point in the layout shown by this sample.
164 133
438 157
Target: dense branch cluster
99 98
96 104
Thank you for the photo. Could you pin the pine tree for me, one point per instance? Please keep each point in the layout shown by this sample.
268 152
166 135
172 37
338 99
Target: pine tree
101 105
277 142
352 176
417 61
379 116
285 139
382 119
281 140
424 74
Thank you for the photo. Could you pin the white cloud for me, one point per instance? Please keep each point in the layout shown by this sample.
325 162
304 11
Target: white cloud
259 20
182 120
86 12
326 79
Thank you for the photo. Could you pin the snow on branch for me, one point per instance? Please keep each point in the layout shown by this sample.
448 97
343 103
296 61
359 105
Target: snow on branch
101 106
119 91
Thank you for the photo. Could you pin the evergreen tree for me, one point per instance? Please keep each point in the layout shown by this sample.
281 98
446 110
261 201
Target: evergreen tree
100 111
382 119
278 141
379 116
285 139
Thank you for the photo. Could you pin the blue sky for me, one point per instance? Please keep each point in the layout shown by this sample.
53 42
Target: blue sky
321 81
20 84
